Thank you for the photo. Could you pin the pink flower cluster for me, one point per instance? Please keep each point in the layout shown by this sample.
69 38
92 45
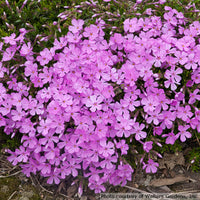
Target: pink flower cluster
79 103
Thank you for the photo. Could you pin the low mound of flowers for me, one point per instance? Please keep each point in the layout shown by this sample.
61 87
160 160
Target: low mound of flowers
82 103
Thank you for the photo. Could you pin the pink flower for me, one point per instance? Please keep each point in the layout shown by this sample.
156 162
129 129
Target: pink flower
2 121
44 126
171 138
3 70
22 154
91 32
194 96
54 177
54 107
167 119
17 114
45 57
157 130
94 103
122 146
147 146
26 49
150 102
154 116
97 186
8 54
77 25
10 39
131 25
31 69
137 129
151 166
184 133
106 149
184 113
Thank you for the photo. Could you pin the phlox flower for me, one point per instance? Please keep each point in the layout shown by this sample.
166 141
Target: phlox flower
10 39
157 130
77 25
183 44
194 96
131 25
147 146
150 102
184 133
3 70
54 107
154 116
17 114
44 167
182 57
93 174
46 75
49 140
174 74
22 154
73 146
196 76
73 38
116 41
50 152
36 107
122 146
160 57
2 121
171 83
170 18
26 49
54 176
108 162
94 147
91 32
151 166
30 142
3 93
101 131
171 138
31 69
125 122
184 112
106 149
8 54
167 119
45 56
94 102
29 168
197 114
44 127
108 92
5 107
192 62
137 129
72 167
59 44
97 186
13 157
121 175
131 76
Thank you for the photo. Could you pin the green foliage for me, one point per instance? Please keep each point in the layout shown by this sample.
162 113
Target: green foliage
194 159
6 142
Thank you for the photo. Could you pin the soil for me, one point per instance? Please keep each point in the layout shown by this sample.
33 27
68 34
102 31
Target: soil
173 177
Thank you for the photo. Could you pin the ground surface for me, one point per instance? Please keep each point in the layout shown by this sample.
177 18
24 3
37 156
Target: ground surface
173 177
